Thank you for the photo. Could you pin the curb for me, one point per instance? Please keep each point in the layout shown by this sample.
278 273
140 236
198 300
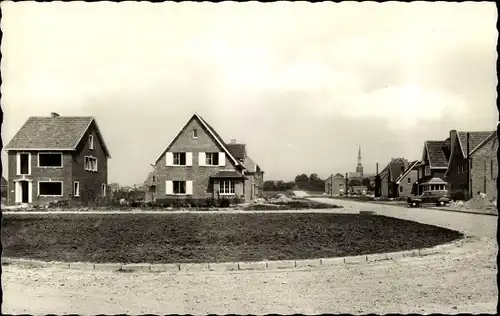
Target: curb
240 266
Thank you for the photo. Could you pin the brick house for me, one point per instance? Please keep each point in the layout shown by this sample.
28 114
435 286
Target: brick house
197 164
483 164
389 175
57 158
4 188
432 167
406 182
335 185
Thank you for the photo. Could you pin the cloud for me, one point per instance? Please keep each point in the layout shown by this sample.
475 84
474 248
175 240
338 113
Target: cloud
320 77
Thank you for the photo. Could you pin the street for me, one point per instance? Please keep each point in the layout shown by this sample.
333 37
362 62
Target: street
463 281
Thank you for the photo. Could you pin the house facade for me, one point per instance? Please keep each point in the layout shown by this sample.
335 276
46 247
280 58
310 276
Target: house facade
479 173
197 164
335 185
57 158
389 175
433 165
406 182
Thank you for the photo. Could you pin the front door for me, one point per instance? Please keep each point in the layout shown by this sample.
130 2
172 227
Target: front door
24 191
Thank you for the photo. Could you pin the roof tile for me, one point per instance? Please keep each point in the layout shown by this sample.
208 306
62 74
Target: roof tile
63 132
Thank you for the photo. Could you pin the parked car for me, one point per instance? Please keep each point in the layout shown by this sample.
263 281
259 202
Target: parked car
438 198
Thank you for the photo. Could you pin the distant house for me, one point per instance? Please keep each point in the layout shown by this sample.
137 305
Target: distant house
389 176
57 158
5 188
483 147
406 182
335 185
433 165
198 164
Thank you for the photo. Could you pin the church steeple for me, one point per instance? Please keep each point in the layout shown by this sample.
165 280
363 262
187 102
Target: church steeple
359 167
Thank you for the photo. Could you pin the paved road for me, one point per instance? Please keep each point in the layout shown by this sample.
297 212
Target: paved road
474 224
463 281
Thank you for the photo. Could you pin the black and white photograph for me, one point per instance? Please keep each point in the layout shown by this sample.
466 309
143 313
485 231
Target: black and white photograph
249 158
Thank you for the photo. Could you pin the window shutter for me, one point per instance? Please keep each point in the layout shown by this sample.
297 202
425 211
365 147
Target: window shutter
18 163
169 187
189 187
222 159
170 159
202 159
189 159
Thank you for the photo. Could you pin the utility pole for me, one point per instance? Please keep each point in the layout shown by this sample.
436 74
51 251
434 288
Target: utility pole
377 182
346 183
469 188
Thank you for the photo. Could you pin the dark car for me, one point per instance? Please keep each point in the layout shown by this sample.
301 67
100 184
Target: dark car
439 198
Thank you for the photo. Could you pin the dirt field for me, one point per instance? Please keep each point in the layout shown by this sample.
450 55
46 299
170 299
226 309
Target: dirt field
167 238
462 282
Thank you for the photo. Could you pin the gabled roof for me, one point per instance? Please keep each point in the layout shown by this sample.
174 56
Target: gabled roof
210 130
475 139
249 165
237 150
411 167
436 154
54 133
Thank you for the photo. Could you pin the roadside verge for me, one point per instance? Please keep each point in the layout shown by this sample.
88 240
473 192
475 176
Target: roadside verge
238 266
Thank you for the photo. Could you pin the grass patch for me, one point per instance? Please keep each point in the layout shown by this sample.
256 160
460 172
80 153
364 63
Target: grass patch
178 238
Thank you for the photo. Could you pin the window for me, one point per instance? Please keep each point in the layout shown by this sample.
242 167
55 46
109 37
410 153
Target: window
50 188
90 163
154 178
76 189
103 189
23 164
212 159
179 187
427 171
195 133
409 179
53 160
91 142
401 189
179 159
226 187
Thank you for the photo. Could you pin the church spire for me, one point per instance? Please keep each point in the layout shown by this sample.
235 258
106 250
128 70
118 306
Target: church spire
359 167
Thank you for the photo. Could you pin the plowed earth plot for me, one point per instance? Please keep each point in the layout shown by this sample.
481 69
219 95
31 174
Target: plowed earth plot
180 238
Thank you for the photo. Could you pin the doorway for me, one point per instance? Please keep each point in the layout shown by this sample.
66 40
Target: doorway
24 191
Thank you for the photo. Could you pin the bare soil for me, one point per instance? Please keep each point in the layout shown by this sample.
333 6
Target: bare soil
167 238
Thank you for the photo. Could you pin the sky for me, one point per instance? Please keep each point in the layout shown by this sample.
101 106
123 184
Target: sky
301 84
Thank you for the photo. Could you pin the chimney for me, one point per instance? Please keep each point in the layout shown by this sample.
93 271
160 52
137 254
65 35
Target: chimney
54 114
453 136
233 141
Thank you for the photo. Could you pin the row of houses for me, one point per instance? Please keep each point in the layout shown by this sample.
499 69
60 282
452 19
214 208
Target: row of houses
464 164
66 158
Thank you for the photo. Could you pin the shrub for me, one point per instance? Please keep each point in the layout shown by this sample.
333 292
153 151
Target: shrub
210 202
224 203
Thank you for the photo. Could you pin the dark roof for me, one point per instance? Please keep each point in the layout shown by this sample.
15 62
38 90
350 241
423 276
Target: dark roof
211 131
46 133
228 174
4 181
475 139
411 166
237 150
436 153
395 167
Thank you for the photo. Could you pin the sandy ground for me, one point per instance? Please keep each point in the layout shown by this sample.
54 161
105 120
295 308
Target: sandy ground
463 281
